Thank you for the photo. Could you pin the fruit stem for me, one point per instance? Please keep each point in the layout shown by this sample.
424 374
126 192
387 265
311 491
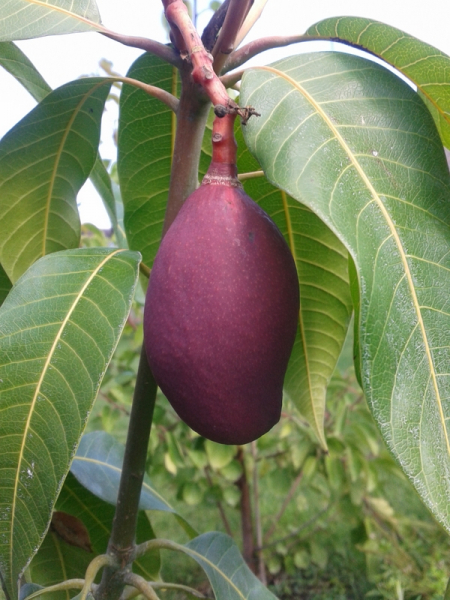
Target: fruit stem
223 170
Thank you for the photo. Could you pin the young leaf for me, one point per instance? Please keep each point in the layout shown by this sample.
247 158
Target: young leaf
325 303
58 328
423 64
225 568
98 466
16 62
56 560
25 19
357 145
44 161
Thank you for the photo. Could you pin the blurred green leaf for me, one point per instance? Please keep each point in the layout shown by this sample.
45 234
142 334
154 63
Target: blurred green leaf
16 62
44 161
98 466
25 19
219 455
423 64
58 329
336 142
225 568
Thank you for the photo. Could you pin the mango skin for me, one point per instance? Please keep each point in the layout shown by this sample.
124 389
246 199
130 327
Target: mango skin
221 315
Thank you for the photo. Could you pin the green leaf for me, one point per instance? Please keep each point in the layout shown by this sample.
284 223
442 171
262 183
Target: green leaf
225 568
422 63
16 62
25 19
58 329
104 186
325 303
44 161
57 561
357 145
98 466
145 142
5 285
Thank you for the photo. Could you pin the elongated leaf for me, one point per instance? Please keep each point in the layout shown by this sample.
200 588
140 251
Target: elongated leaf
422 63
57 561
98 466
16 62
145 141
225 568
58 328
24 19
44 161
5 285
103 184
325 303
357 145
147 130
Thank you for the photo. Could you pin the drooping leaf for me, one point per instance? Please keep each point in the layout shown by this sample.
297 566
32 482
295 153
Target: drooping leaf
422 63
25 19
225 568
17 63
104 186
357 145
57 561
58 328
98 466
44 161
325 303
5 285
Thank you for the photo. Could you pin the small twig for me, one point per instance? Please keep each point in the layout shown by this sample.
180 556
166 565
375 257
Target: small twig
156 92
225 43
250 20
211 31
258 525
161 50
241 56
222 513
250 175
147 587
103 560
144 270
285 504
140 584
69 584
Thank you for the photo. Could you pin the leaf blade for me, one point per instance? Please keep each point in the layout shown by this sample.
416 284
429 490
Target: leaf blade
346 141
44 161
43 401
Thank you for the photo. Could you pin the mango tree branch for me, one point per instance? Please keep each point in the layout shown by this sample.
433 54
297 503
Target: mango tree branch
152 46
211 31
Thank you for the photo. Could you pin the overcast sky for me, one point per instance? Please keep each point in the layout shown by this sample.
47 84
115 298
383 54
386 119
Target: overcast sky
63 58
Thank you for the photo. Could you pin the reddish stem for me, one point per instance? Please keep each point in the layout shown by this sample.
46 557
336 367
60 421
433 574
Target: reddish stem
223 170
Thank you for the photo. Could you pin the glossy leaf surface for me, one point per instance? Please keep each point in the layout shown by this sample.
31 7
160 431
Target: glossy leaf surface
25 19
225 568
422 63
44 161
98 466
356 144
325 303
58 328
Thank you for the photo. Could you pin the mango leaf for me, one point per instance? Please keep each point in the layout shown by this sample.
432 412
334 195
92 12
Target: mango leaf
44 161
325 303
16 62
57 561
98 466
422 63
146 137
58 329
25 19
5 285
225 568
356 144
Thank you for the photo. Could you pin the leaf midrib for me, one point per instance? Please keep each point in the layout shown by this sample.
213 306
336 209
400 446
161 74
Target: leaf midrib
36 394
391 227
